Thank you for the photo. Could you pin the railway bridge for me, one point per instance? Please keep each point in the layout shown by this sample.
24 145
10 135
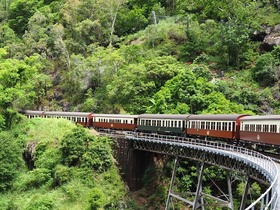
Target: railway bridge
253 165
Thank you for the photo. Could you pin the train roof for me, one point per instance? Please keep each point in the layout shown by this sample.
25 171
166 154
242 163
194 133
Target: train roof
219 117
31 112
164 116
115 115
263 117
70 114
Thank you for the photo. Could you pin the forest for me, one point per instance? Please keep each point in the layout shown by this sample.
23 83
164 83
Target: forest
129 57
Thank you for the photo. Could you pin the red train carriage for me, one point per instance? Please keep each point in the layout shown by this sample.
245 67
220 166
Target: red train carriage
261 129
224 126
115 121
82 118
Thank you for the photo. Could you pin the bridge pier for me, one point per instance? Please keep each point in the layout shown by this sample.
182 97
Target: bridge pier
133 163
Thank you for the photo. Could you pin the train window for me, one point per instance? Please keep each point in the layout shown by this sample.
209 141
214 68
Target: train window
158 123
207 125
258 128
230 126
246 127
193 124
219 125
265 128
202 125
273 128
180 124
168 123
198 124
252 127
212 126
224 128
175 124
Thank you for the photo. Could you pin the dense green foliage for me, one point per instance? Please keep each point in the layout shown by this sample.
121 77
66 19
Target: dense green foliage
49 179
120 56
134 57
10 158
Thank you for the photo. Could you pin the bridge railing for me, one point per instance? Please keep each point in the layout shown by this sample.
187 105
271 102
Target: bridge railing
268 200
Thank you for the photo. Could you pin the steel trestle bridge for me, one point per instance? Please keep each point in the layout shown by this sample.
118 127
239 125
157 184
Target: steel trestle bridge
251 163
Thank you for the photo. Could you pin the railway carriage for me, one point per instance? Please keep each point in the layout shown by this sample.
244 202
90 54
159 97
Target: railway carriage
162 123
115 121
225 126
261 129
82 118
32 114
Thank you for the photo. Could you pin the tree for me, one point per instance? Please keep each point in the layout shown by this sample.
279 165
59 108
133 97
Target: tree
134 85
19 85
111 9
19 13
265 70
130 21
80 149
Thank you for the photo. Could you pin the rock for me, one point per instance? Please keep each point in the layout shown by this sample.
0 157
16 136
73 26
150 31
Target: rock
272 38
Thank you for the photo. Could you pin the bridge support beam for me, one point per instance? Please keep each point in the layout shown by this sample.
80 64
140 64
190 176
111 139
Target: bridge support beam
171 184
245 194
197 200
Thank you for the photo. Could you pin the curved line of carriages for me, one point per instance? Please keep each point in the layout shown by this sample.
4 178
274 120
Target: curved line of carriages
256 131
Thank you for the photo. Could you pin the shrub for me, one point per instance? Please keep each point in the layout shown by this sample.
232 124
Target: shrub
73 146
62 174
97 199
10 160
81 149
41 202
265 71
34 179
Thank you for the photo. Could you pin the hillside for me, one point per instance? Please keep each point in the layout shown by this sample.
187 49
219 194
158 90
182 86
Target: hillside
46 164
139 56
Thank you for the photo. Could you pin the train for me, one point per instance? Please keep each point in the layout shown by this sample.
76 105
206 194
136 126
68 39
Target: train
243 129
